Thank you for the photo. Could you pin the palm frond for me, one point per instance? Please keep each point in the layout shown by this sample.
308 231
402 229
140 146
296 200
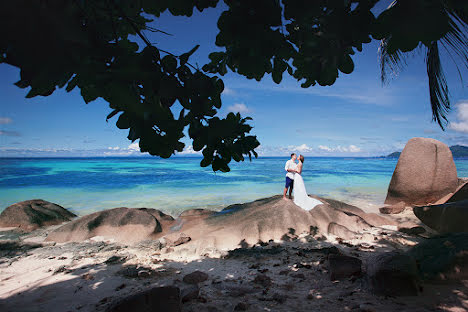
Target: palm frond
438 91
391 63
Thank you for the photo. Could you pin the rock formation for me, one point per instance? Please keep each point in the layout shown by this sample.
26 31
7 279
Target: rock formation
121 224
425 172
445 218
32 214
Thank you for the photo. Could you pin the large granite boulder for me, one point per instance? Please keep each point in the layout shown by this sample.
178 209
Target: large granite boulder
443 257
127 225
32 214
393 274
445 218
272 218
425 173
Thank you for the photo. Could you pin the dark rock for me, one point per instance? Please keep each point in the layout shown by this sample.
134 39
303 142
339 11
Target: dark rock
425 173
195 277
181 240
393 209
298 275
461 193
263 280
189 293
444 257
63 269
159 299
241 306
341 266
32 214
445 218
393 274
114 260
416 230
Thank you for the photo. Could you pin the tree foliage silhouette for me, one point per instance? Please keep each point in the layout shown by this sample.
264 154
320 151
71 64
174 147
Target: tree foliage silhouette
85 44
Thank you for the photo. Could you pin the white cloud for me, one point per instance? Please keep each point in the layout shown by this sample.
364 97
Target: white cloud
239 108
462 116
10 133
115 148
341 149
354 149
134 147
5 120
303 148
325 148
189 151
228 91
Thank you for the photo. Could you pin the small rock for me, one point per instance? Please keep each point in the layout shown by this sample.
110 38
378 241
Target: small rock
63 269
393 209
284 272
189 293
241 306
341 266
298 275
181 240
87 277
114 259
195 277
263 280
144 273
413 231
120 287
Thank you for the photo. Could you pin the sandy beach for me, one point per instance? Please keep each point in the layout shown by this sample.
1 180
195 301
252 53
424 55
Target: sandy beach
291 274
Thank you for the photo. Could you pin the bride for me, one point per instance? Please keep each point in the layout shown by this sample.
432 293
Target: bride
299 191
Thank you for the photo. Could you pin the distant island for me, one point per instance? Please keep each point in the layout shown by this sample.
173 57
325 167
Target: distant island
457 152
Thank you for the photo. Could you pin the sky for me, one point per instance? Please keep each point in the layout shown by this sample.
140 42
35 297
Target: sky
357 116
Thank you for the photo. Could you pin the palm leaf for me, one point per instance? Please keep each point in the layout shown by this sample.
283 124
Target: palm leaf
390 63
438 91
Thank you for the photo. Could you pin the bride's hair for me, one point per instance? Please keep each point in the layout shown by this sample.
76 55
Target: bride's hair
301 158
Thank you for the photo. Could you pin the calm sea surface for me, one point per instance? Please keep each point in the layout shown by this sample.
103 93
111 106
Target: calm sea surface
86 185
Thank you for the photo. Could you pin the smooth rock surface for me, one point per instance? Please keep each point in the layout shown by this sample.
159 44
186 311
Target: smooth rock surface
32 214
425 173
445 218
127 225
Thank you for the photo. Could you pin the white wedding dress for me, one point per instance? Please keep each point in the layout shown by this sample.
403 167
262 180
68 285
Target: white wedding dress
300 194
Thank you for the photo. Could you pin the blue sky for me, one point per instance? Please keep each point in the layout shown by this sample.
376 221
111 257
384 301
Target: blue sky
357 116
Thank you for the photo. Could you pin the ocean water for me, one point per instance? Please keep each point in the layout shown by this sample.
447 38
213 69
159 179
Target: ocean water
86 185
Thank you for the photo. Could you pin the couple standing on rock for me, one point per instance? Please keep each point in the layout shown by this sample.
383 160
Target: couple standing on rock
295 184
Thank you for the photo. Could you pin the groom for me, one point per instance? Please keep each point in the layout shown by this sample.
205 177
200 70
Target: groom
290 167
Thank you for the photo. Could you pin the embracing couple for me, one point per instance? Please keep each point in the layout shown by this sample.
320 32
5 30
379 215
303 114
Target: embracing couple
295 184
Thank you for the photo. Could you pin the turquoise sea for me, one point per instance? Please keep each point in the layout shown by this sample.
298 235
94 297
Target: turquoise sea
172 185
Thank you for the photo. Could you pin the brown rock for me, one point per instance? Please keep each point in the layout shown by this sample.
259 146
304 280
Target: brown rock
159 299
127 225
32 214
425 172
393 274
393 209
181 240
195 277
341 266
445 218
